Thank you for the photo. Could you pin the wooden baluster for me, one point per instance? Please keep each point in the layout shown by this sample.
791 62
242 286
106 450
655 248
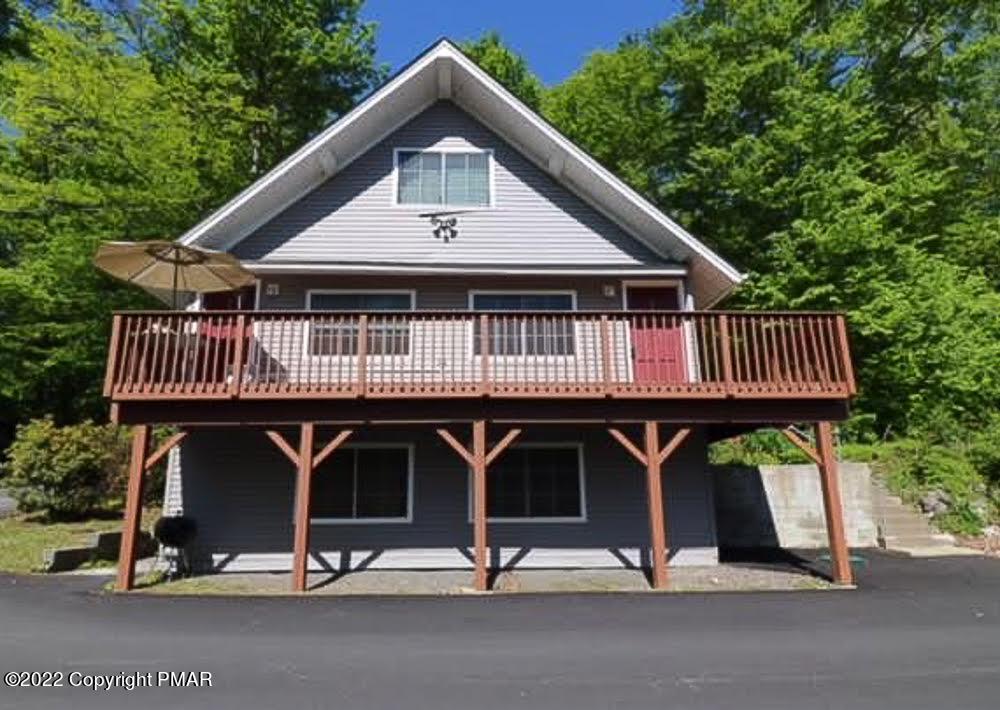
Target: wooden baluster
484 353
362 368
845 355
132 337
727 363
819 354
111 374
239 333
606 355
758 371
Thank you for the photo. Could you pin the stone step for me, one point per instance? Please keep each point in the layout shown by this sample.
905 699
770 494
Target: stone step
918 541
903 526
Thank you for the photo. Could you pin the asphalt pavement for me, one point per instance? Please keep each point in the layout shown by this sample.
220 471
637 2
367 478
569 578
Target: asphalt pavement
916 634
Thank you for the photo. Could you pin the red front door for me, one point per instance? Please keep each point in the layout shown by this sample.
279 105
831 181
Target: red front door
657 338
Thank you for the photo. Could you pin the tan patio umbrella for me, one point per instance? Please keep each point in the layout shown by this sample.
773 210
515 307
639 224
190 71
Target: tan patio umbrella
162 267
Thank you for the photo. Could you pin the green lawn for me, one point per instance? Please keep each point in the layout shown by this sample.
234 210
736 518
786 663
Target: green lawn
24 538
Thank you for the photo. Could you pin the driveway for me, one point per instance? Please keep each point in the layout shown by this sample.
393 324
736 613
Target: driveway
917 634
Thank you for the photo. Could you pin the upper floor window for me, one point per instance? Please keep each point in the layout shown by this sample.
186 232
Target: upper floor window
338 334
453 179
530 334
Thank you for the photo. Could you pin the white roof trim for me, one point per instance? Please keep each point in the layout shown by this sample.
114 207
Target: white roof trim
312 157
264 268
579 154
304 153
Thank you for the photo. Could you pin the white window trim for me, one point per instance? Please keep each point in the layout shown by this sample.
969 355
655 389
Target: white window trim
545 520
409 489
684 303
306 330
520 292
443 206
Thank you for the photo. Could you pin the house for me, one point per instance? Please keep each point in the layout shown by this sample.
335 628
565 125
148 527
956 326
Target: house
469 346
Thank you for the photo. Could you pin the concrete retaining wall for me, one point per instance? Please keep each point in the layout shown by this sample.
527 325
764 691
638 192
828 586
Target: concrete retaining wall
782 506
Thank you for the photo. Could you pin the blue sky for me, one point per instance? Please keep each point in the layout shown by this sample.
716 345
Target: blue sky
554 35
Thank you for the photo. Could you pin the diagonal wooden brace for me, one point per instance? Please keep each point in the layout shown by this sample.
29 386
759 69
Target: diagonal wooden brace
286 448
164 449
804 445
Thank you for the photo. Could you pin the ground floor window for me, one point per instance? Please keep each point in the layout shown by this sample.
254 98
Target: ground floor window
364 483
537 482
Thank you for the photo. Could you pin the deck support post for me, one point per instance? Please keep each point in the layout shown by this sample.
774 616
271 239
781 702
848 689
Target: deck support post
305 461
824 457
479 504
833 505
133 508
652 457
654 497
303 503
479 460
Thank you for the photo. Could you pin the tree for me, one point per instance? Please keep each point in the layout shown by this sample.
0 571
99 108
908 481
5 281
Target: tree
130 120
507 67
259 78
843 154
96 150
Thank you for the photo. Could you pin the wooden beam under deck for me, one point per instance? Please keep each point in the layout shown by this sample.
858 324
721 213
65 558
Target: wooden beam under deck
760 412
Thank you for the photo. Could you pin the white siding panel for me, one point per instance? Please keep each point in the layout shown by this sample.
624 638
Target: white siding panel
352 216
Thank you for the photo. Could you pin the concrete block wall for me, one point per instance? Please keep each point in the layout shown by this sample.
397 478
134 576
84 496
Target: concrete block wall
782 506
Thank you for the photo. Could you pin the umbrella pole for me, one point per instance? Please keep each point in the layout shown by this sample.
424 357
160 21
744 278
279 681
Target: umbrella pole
174 298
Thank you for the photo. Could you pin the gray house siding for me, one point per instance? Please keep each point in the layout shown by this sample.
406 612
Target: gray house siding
240 490
352 216
441 292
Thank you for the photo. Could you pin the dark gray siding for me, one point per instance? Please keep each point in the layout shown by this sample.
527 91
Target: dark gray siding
442 292
240 490
352 216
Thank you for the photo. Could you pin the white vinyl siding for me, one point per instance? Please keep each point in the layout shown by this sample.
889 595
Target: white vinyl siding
354 217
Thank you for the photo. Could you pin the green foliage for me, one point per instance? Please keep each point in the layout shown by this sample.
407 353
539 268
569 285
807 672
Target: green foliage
918 465
507 67
67 472
761 448
96 151
130 121
257 77
845 155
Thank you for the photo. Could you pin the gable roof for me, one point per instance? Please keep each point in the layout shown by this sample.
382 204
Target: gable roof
445 72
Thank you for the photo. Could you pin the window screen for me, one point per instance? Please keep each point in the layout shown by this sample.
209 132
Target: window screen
535 483
338 335
537 334
362 483
453 179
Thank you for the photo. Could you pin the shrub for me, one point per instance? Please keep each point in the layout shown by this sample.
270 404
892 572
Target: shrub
68 471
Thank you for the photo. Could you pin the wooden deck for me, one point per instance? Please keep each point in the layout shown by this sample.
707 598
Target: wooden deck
294 355
727 371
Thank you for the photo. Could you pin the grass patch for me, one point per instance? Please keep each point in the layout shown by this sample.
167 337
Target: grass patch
24 538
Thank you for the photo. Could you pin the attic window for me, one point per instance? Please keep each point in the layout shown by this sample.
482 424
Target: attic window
452 179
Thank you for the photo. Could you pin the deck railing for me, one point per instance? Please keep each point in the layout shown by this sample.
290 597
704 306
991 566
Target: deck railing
294 354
